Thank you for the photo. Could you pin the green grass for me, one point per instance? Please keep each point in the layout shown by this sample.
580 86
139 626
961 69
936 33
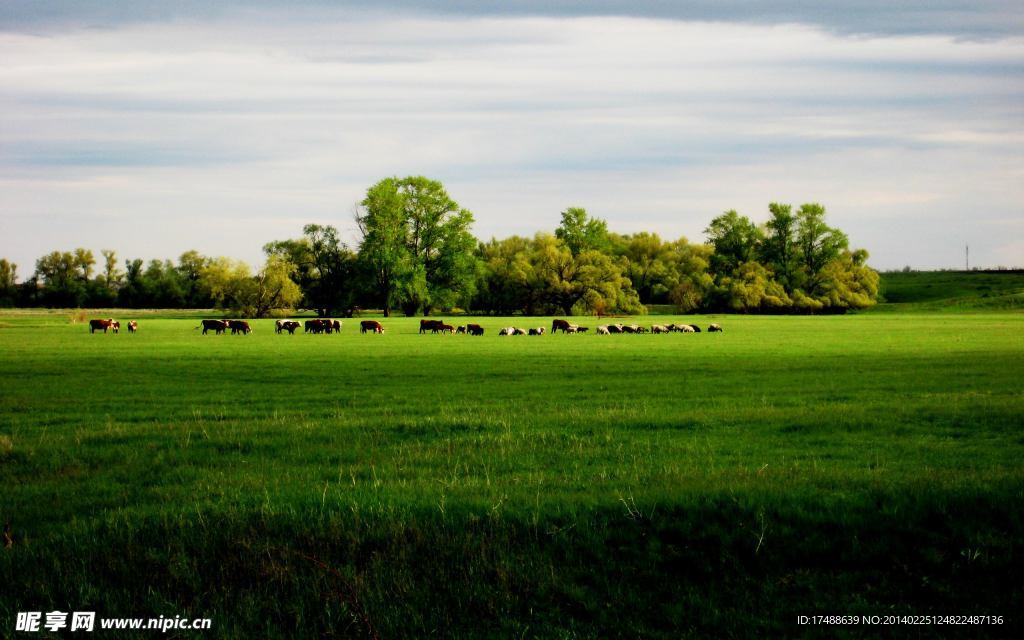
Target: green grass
952 291
709 485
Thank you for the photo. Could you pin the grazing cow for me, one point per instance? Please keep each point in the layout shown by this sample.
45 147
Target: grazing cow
239 327
559 325
430 325
628 328
310 326
603 330
461 329
475 330
133 326
115 326
290 326
445 328
99 324
336 325
715 328
519 332
580 329
659 328
615 328
539 331
371 325
507 331
218 326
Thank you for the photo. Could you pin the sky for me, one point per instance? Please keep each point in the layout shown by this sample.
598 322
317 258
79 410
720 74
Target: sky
155 127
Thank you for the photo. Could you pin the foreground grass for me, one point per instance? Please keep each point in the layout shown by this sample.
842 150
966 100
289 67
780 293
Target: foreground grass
407 485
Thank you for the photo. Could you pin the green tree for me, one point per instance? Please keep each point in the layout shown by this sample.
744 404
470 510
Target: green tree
592 280
325 269
690 282
271 289
846 282
751 288
779 250
417 244
384 255
8 283
226 282
65 277
581 233
648 266
735 240
818 244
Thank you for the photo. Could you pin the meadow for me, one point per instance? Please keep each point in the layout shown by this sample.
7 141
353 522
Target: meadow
406 485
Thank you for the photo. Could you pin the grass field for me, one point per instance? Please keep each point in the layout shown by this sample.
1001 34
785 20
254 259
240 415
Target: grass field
399 485
952 291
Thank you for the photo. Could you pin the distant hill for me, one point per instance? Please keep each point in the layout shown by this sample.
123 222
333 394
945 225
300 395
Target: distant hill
952 291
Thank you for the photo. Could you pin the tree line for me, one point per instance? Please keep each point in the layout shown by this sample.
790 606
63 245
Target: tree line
417 255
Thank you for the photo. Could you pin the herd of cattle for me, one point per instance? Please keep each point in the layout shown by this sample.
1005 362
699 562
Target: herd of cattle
321 325
113 325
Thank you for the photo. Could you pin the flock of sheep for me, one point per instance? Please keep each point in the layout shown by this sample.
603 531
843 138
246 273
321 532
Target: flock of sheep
606 329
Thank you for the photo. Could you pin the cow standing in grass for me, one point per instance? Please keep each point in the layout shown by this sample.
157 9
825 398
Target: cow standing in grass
239 327
475 330
95 325
217 326
433 326
560 325
133 326
371 326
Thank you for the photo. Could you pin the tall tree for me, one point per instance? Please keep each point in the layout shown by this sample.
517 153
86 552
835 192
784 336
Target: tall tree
581 233
8 283
325 269
735 239
779 250
818 243
65 277
417 242
384 255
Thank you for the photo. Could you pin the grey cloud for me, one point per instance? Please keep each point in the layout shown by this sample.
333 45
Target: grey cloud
971 19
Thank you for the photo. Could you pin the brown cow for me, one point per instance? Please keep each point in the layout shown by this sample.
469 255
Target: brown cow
461 329
239 327
371 325
133 326
559 325
444 328
290 326
99 324
432 326
336 325
218 326
475 330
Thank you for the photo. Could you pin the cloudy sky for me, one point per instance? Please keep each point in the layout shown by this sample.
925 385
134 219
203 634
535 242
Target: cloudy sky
156 126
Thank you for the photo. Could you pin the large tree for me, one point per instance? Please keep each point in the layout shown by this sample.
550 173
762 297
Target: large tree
590 281
384 255
65 276
325 269
8 283
735 239
416 244
582 233
779 249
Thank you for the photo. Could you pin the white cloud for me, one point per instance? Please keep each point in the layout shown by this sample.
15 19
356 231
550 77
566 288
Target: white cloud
222 135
